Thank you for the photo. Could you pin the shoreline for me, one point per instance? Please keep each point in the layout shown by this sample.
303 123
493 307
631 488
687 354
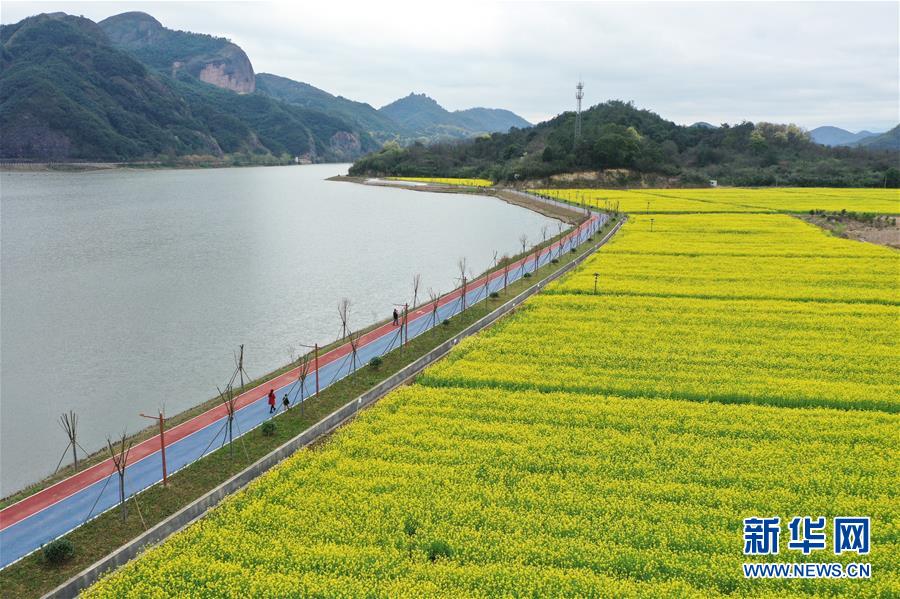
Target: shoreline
404 366
570 217
81 167
158 502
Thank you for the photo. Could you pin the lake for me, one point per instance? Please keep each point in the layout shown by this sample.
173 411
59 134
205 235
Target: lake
123 291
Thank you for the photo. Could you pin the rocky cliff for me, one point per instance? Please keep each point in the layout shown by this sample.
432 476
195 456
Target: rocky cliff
214 60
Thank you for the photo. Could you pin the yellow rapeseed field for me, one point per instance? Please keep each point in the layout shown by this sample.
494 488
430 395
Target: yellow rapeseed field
446 181
731 364
780 199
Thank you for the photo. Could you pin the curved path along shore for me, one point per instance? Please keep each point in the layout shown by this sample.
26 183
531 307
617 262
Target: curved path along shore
66 505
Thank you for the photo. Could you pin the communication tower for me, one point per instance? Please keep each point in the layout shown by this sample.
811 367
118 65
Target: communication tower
579 94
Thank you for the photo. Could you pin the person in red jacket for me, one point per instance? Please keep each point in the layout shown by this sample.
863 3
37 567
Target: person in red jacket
271 401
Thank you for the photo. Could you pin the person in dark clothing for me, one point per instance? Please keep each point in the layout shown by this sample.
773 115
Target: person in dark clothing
285 401
396 318
271 401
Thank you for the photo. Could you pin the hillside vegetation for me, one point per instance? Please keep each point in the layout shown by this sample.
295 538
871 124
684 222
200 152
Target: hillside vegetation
623 145
67 93
380 126
889 140
211 59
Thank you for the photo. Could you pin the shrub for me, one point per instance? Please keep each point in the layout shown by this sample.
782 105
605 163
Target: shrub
438 549
554 261
527 275
58 551
573 250
494 295
268 428
375 363
446 322
410 526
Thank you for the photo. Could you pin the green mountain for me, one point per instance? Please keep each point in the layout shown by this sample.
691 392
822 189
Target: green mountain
889 140
381 127
835 136
623 145
428 119
490 120
66 92
210 59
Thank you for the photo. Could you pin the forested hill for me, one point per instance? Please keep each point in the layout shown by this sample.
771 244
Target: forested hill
66 92
211 59
623 145
378 125
426 118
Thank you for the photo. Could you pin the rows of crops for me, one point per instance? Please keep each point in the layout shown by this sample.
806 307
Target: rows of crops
736 308
447 181
881 201
608 444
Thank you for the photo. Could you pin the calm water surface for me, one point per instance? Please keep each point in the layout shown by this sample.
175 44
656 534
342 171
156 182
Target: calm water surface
124 291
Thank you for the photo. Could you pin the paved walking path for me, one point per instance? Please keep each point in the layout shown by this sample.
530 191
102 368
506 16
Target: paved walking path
69 503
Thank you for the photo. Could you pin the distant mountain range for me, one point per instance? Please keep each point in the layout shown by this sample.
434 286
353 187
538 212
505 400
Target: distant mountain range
835 136
889 140
418 112
128 88
415 117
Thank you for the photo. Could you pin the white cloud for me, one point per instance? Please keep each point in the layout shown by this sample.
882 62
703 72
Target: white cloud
810 63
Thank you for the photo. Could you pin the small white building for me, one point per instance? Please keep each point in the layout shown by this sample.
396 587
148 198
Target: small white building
713 183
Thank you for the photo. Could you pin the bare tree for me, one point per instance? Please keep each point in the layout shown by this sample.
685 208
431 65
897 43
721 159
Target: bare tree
417 280
344 313
119 455
559 228
461 265
487 277
524 241
354 347
434 296
505 261
304 363
69 423
545 230
239 364
228 399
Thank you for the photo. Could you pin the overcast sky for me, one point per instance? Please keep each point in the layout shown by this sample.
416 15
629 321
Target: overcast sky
807 63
